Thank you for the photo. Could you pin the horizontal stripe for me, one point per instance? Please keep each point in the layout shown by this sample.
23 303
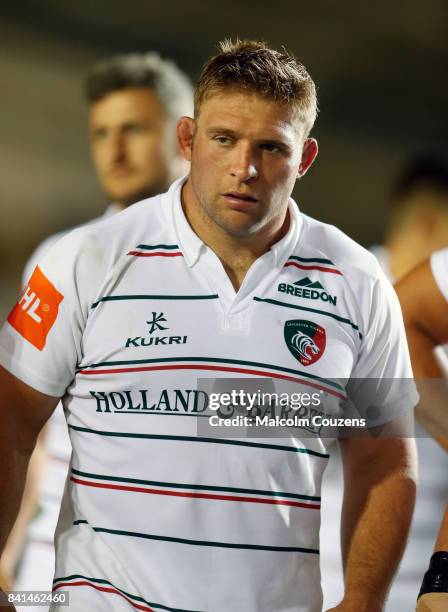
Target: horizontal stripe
103 590
156 254
320 268
152 247
258 364
162 413
279 447
112 298
65 581
150 536
195 486
311 259
314 310
214 369
207 496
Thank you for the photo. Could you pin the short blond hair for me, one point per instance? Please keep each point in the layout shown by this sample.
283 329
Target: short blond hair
251 66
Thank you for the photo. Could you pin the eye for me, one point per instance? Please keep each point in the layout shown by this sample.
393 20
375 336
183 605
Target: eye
99 134
135 128
223 140
270 147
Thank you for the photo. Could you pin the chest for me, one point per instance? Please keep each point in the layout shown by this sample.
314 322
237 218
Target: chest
175 321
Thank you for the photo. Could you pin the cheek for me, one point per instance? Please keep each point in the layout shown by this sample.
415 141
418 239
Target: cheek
150 150
280 175
100 158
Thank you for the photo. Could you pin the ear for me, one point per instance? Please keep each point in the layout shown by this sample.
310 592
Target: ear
309 154
185 130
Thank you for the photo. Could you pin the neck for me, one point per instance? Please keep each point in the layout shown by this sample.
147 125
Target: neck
236 252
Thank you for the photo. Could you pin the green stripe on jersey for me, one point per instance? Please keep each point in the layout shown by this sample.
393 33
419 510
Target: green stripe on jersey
122 434
111 298
133 597
315 310
311 260
195 487
150 536
152 247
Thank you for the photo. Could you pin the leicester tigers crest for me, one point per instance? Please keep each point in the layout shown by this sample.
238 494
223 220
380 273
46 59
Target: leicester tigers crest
306 340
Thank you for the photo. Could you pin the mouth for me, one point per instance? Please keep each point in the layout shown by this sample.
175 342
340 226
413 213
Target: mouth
239 200
118 171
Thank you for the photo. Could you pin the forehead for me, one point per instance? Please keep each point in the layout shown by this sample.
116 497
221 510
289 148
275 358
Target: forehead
123 105
251 113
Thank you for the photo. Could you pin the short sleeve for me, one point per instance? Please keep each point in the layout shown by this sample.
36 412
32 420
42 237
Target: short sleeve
38 255
439 268
382 384
41 340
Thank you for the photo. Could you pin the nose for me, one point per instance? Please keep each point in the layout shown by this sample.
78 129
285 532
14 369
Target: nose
244 164
117 147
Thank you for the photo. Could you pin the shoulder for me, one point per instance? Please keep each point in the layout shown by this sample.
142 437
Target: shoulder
84 259
351 270
38 254
326 241
104 241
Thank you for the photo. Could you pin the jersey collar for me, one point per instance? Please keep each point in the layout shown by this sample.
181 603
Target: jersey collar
192 246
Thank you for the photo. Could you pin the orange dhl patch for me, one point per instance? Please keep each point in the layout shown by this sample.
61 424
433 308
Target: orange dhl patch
35 313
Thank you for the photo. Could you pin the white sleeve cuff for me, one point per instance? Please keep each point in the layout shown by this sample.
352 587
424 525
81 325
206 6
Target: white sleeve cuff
439 268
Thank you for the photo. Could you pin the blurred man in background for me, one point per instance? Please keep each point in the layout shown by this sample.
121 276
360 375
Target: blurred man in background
134 102
417 226
418 215
423 294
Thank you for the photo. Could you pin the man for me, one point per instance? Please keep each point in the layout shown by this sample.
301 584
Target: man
417 225
426 316
418 215
195 282
134 103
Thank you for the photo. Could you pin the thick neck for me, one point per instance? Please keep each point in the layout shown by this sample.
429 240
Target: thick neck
237 253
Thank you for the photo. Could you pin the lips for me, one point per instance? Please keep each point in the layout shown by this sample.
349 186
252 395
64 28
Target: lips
120 170
239 201
243 197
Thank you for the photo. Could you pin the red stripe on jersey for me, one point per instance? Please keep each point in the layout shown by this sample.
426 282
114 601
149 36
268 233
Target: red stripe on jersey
215 368
320 268
104 590
236 498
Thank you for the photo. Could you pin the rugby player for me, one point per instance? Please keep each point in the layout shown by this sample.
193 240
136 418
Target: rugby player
134 101
423 295
156 515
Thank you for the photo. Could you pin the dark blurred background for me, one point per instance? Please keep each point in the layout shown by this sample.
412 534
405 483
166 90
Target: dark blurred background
381 71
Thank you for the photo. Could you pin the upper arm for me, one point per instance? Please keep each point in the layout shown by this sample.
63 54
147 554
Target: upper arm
391 448
424 307
381 385
425 312
23 411
41 342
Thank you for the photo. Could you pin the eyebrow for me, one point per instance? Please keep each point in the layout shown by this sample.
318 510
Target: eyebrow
285 144
221 130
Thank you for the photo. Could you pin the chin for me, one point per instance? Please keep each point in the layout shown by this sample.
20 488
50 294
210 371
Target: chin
239 231
128 198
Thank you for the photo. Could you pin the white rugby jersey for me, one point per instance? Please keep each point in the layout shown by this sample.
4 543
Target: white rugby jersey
439 269
122 318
